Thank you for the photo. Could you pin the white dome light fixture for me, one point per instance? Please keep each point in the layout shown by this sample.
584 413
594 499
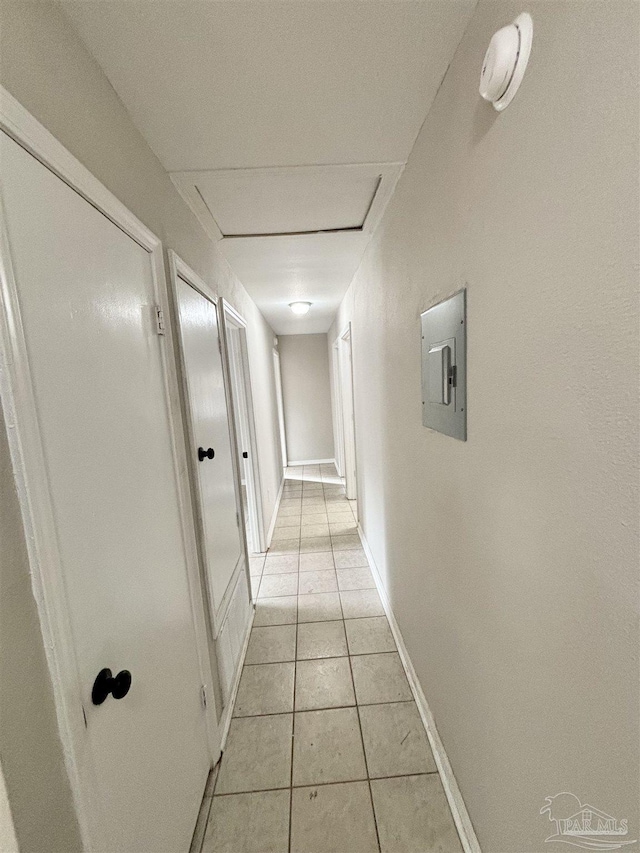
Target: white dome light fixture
300 308
505 62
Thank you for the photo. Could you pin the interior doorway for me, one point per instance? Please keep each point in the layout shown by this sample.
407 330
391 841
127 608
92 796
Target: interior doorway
346 415
242 403
280 404
338 429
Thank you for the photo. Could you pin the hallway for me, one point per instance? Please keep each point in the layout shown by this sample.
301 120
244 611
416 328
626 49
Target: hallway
319 495
324 724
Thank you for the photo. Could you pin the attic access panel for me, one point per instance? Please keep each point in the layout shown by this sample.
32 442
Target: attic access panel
289 202
233 204
444 369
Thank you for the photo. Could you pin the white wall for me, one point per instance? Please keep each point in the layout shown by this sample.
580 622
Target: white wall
511 560
306 392
46 67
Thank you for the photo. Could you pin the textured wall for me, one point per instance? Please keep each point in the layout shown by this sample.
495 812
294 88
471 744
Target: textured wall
47 68
512 559
306 392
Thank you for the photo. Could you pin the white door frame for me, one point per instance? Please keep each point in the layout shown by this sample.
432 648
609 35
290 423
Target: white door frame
338 427
181 270
27 457
231 317
347 411
280 405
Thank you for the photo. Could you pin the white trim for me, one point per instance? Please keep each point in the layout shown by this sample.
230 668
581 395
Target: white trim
277 375
238 319
338 429
311 462
27 131
274 517
254 495
227 715
457 805
47 580
388 174
347 407
27 458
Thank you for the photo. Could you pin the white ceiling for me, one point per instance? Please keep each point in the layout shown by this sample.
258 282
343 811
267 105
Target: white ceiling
251 85
276 201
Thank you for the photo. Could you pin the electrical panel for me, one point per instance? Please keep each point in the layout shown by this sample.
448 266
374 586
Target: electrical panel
444 368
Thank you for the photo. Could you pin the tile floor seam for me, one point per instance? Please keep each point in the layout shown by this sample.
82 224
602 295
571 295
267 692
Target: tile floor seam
364 750
328 708
294 787
348 619
293 721
366 762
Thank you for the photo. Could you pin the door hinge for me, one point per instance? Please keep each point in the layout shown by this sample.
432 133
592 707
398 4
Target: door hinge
203 696
159 314
237 519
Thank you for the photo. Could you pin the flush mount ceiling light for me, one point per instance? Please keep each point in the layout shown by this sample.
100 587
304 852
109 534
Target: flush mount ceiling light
300 307
505 62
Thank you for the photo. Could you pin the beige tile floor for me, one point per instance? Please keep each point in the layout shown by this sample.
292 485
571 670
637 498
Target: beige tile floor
326 751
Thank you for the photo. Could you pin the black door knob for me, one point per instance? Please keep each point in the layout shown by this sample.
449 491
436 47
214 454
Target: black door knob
205 454
107 683
245 455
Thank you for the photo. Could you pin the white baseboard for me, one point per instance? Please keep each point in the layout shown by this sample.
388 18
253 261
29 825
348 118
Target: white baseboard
459 811
228 711
274 516
310 462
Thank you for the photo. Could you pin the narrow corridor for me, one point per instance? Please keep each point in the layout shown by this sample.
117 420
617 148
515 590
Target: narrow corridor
326 749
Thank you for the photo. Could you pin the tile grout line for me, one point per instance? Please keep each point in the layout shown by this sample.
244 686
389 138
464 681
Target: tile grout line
295 625
348 619
364 751
322 784
328 708
293 718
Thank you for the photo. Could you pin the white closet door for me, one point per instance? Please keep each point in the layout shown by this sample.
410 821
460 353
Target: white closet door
86 295
198 324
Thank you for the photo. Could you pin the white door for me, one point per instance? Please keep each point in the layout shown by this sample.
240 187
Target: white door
86 293
198 324
243 417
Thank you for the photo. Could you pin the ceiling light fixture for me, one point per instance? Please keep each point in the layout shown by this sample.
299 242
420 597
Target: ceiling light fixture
300 307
